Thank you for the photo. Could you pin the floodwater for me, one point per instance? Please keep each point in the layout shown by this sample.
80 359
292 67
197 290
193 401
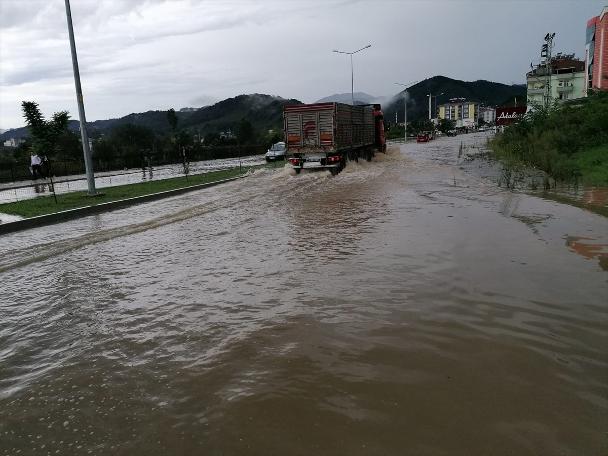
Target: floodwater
406 306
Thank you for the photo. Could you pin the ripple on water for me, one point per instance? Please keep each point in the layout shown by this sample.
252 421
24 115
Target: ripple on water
354 314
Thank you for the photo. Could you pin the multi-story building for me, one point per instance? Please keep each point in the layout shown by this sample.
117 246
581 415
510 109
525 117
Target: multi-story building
461 111
562 79
596 52
13 142
487 114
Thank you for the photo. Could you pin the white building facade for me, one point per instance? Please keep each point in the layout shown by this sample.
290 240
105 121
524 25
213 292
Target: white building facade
566 81
487 114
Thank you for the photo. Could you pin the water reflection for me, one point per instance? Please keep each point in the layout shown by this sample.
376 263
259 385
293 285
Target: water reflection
589 248
361 314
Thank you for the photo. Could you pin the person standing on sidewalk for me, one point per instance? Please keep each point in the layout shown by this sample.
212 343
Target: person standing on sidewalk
35 163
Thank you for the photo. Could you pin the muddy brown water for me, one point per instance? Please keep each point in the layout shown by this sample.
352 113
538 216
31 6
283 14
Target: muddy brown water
406 306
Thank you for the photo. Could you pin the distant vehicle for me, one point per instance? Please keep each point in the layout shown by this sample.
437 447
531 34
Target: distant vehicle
327 135
423 137
276 152
451 133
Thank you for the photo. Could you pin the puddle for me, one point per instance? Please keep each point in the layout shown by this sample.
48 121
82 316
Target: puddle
590 249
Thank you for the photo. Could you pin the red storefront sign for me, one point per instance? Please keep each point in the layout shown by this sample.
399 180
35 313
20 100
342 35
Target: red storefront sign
506 116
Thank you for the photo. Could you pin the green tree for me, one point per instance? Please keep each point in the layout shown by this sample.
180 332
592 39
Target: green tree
420 125
568 140
172 119
103 150
245 133
446 125
212 139
272 137
45 134
130 144
68 146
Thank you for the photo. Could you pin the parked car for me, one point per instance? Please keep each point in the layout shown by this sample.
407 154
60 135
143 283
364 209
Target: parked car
276 152
451 133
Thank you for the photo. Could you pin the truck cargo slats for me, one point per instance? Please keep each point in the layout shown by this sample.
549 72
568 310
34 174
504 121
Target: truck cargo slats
327 127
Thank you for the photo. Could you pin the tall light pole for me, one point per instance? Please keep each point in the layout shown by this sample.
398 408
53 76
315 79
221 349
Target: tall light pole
430 98
88 162
352 74
407 86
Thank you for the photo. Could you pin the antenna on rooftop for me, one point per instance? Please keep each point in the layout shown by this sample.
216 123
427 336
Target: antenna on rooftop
545 53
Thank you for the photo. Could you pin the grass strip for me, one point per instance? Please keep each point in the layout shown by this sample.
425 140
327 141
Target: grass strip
46 204
593 165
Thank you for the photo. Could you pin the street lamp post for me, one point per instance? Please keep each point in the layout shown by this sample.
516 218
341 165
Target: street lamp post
88 162
407 86
352 74
430 98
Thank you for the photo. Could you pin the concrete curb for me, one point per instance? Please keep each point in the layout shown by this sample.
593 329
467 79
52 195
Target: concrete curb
62 216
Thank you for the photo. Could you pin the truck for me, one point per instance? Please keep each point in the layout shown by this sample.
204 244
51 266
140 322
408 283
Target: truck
328 135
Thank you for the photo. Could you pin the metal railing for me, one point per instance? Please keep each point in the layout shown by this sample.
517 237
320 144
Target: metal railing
65 177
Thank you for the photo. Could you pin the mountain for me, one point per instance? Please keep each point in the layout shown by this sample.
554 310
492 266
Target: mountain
156 120
266 111
486 92
360 98
16 133
263 111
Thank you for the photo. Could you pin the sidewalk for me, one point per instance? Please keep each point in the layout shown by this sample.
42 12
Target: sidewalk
28 189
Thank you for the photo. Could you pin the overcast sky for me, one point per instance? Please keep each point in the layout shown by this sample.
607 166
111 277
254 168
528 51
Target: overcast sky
137 55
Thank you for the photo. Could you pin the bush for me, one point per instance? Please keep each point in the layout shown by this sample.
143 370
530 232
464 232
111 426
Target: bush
558 140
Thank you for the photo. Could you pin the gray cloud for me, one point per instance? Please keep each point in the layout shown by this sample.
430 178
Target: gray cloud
202 100
153 54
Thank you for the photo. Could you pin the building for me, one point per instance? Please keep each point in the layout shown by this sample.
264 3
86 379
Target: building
560 78
596 52
487 114
461 111
13 142
227 134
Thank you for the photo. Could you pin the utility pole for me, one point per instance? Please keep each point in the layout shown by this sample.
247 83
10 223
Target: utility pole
407 86
405 116
430 103
88 162
546 51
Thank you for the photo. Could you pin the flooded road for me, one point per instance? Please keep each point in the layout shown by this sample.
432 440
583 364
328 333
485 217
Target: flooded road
405 306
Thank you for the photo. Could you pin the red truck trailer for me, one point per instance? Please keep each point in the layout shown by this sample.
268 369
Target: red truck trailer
327 135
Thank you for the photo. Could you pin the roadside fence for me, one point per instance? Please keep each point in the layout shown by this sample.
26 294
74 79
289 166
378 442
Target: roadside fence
64 177
17 172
